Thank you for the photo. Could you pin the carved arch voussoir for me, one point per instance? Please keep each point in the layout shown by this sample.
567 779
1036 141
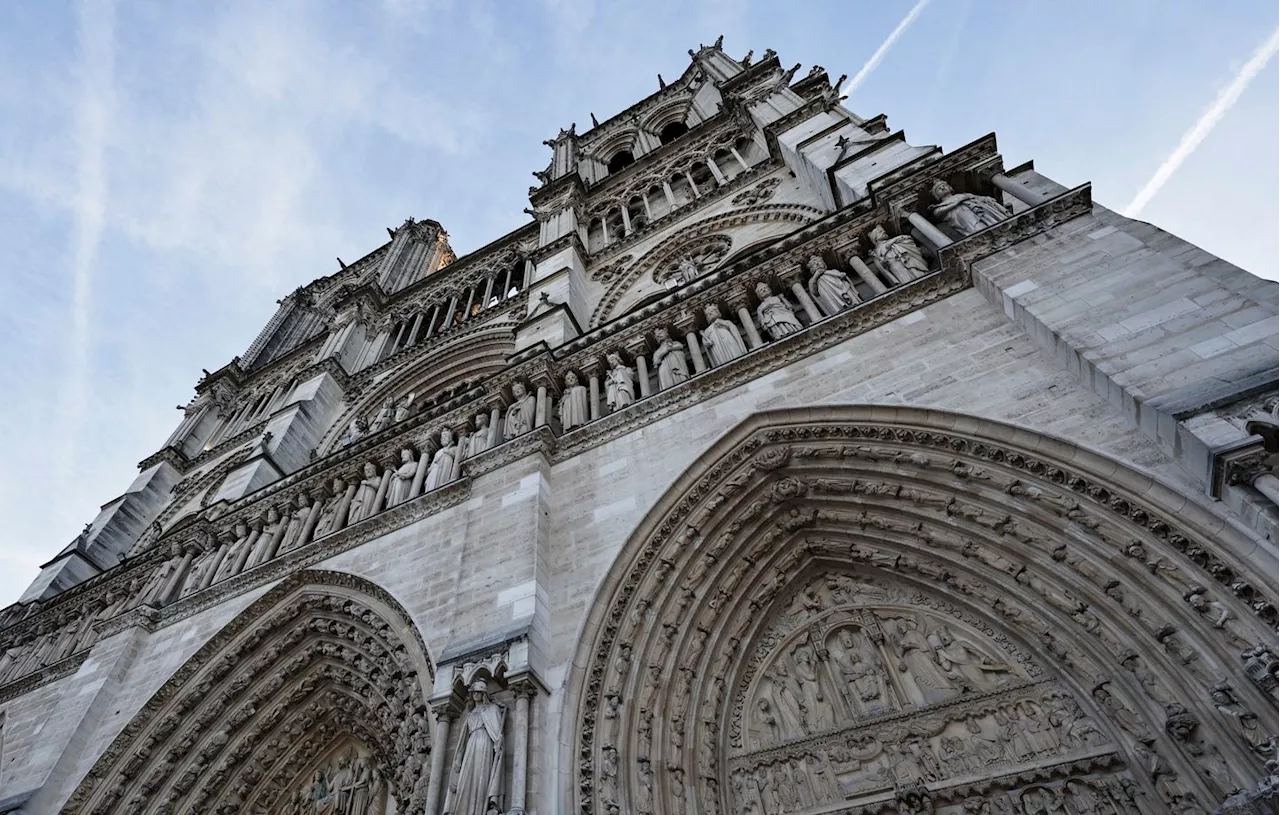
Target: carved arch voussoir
321 657
1069 576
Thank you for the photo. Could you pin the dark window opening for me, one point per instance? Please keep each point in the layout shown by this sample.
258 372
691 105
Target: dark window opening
622 158
672 132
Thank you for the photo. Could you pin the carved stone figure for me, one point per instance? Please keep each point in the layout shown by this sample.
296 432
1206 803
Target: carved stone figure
961 659
831 289
786 703
900 256
479 441
297 520
441 470
232 556
402 409
669 360
382 419
774 313
916 659
688 268
619 384
1246 723
721 338
355 431
964 212
520 414
366 494
328 521
475 785
816 709
865 682
574 406
402 479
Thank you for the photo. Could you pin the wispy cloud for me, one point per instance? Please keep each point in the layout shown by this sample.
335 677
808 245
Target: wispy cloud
1205 125
95 33
861 76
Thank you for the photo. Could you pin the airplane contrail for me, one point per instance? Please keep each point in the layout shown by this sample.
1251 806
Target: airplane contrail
885 46
1202 128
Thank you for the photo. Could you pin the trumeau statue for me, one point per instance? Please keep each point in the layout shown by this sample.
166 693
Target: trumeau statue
441 470
574 409
475 784
669 360
899 256
775 315
721 337
520 414
831 289
964 212
479 441
619 384
366 494
402 479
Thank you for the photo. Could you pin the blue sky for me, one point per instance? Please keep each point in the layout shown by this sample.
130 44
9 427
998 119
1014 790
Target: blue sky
168 171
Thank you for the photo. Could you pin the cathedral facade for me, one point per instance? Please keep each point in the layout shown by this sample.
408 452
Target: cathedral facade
776 466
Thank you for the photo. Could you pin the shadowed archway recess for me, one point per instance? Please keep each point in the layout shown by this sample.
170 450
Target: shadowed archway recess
875 610
325 667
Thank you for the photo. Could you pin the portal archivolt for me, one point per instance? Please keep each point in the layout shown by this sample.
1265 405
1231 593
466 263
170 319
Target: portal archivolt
311 700
838 612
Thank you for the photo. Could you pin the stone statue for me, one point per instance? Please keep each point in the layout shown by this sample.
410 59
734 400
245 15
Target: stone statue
721 337
864 680
831 289
521 414
328 521
574 409
916 658
964 212
669 360
899 256
402 479
355 431
786 703
228 565
402 408
441 470
366 494
774 314
196 572
817 710
475 787
292 536
362 788
382 419
1245 722
961 659
619 384
688 268
479 441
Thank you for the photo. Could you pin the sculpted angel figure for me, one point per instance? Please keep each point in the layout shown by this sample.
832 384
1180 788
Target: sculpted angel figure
669 360
441 471
831 289
774 314
899 256
475 787
521 413
721 337
574 409
619 384
964 212
402 479
688 269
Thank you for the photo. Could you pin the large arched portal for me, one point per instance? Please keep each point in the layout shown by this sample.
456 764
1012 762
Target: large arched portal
894 610
311 700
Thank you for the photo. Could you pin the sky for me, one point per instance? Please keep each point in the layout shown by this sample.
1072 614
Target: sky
169 170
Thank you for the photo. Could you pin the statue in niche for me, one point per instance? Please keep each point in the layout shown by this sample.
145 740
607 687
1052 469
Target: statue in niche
521 414
964 212
382 419
366 494
786 703
195 573
775 315
1246 723
917 659
355 431
441 470
402 408
815 707
402 479
688 269
722 339
669 360
900 256
340 786
766 730
988 750
1040 735
619 383
292 537
151 594
228 565
831 289
962 660
475 787
479 441
1082 799
574 410
1013 734
1121 715
1040 801
863 678
328 521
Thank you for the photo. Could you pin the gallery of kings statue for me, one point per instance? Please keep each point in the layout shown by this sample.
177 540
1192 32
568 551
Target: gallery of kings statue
776 466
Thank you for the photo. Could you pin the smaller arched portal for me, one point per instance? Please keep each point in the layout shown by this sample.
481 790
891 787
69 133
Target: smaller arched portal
874 611
311 700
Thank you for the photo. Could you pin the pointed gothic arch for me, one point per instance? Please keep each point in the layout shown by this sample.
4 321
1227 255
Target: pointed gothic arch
323 677
933 608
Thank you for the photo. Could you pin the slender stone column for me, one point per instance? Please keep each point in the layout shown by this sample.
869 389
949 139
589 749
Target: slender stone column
639 350
738 156
748 324
175 579
463 443
215 562
671 198
1022 192
869 277
806 302
932 234
381 495
715 171
340 520
520 748
495 426
249 546
592 369
420 474
626 218
540 407
269 551
313 518
439 750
